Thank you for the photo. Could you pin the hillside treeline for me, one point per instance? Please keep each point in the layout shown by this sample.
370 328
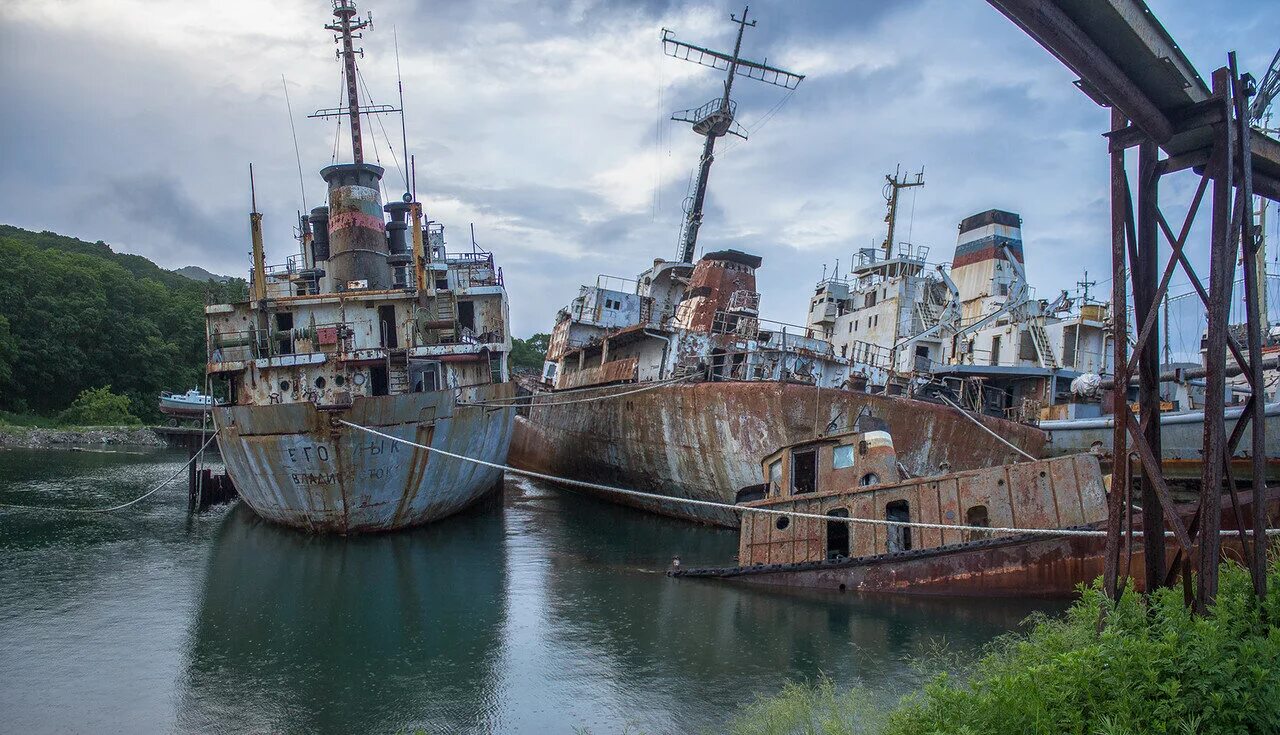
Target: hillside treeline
74 315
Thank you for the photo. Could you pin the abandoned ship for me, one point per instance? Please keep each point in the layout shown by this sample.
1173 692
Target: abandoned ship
374 323
835 514
678 383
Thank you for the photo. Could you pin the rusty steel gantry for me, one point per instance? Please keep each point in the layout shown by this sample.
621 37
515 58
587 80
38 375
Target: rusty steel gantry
1127 61
715 119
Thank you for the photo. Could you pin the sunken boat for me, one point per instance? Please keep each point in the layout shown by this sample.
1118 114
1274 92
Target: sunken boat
834 514
373 323
672 383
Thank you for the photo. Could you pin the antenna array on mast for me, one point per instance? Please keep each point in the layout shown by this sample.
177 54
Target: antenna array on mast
715 119
348 25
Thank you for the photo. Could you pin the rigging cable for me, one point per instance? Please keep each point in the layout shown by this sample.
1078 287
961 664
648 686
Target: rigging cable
297 154
392 148
751 509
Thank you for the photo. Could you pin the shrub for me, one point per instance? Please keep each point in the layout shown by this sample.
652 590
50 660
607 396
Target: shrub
99 407
1154 668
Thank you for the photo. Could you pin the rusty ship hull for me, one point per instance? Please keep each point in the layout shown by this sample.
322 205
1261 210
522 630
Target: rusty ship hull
1021 565
296 465
704 440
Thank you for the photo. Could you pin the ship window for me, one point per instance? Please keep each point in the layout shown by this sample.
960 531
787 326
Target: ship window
868 479
995 350
976 516
284 386
899 537
782 523
442 283
321 382
838 535
871 299
842 457
775 477
339 381
804 472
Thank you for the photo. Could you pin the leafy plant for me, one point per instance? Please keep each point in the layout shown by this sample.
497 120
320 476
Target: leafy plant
99 407
1154 668
529 354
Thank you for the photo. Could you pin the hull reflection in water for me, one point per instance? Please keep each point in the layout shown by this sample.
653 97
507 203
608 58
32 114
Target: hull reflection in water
303 633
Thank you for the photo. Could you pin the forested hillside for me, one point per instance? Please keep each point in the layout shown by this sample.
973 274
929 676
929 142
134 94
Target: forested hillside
76 315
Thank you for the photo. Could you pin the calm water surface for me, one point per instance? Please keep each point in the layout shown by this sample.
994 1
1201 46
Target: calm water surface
543 611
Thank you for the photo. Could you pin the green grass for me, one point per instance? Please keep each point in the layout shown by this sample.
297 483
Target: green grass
9 419
1155 668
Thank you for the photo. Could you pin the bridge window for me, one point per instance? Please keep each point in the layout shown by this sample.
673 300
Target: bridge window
804 472
842 457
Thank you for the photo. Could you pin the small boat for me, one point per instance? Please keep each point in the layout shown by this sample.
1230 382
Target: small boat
189 404
855 475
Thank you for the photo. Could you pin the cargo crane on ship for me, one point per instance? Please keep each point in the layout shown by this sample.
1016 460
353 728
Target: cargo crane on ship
717 118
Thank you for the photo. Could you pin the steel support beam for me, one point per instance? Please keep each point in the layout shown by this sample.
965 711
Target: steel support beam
1119 497
1147 313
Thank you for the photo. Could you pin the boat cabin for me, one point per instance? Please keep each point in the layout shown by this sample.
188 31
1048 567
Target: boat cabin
855 475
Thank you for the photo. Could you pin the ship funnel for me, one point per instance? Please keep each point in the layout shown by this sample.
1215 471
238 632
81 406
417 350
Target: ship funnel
357 233
987 261
319 234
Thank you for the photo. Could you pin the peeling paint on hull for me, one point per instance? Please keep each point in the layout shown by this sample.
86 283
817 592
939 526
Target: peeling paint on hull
705 440
1011 566
296 465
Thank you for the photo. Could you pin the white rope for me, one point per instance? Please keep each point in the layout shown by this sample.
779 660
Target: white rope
144 496
984 428
514 401
726 506
765 511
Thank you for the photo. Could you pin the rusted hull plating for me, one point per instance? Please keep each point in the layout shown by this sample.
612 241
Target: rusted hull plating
704 440
1012 566
296 465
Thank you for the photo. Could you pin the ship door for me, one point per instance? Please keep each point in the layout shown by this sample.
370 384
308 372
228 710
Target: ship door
387 325
467 315
804 472
838 535
378 380
899 538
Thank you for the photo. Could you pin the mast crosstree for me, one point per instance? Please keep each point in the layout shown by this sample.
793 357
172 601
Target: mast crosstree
715 119
348 25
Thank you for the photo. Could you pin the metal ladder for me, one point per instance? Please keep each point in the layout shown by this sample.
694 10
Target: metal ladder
1041 340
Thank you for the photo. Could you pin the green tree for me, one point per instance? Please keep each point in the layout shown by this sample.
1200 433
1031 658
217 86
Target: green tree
99 407
80 316
529 354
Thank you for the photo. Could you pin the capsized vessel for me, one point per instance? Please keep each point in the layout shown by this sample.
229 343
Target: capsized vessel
374 322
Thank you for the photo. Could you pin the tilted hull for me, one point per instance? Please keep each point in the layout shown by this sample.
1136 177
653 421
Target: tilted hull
705 440
297 465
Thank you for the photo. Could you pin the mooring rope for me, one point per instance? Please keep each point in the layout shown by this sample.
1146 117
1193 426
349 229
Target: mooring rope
747 509
984 428
504 402
144 496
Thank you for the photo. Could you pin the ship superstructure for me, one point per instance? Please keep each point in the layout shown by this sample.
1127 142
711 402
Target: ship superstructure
678 382
373 322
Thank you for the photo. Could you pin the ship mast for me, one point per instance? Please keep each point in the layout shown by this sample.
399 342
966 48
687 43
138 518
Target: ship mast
716 118
894 184
345 12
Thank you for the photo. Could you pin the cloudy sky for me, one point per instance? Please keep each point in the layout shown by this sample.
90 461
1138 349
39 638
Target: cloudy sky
545 124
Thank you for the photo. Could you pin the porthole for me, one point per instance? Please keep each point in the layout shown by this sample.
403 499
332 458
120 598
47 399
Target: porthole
321 383
358 378
284 386
870 478
782 523
339 381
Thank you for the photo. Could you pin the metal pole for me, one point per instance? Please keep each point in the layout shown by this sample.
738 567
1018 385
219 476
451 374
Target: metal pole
1221 280
1145 276
1120 346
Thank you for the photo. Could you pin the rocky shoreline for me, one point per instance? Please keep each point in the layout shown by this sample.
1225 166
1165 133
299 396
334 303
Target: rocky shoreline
20 437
